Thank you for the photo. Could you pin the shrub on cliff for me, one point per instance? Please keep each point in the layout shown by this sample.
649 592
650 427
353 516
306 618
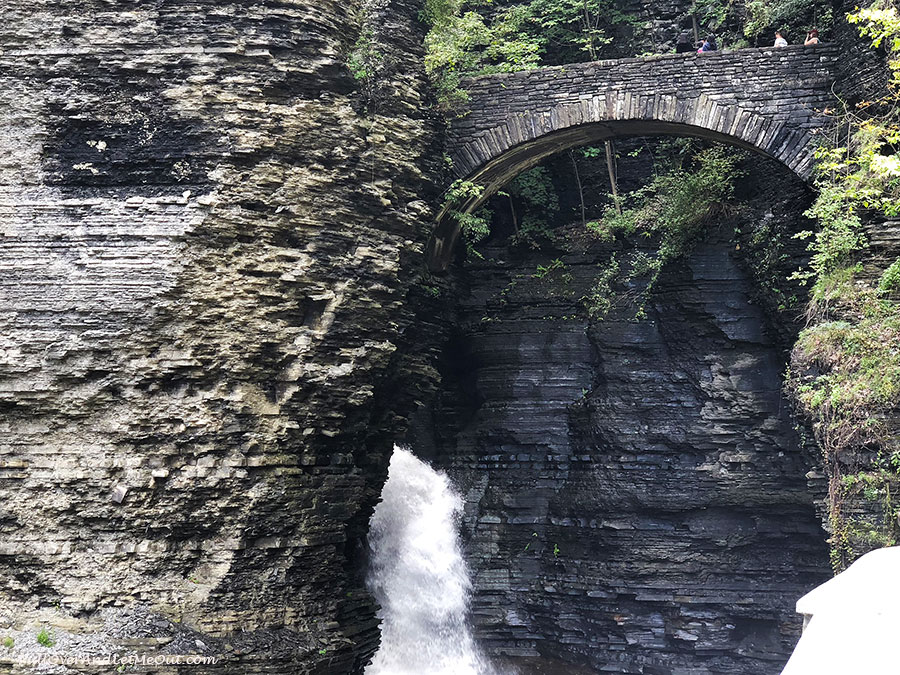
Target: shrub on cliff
676 205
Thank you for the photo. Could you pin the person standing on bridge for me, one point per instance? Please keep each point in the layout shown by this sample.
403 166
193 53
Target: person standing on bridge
812 38
779 39
709 45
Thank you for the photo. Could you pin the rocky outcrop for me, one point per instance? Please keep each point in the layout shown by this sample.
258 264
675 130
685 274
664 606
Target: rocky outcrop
208 231
636 491
862 71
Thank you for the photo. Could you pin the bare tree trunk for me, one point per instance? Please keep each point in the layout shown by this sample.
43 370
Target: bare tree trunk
586 27
589 24
512 210
580 189
611 167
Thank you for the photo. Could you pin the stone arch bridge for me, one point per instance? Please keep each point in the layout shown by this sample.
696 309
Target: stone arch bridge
768 100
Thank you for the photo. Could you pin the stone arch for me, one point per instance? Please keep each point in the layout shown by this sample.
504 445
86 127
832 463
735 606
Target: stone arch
516 120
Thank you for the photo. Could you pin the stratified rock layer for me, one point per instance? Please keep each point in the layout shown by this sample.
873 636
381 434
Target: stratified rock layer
206 237
636 492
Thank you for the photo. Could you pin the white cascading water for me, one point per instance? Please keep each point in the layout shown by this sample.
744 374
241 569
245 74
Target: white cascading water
419 576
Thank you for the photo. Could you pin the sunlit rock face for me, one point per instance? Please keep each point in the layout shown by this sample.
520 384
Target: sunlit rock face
207 234
636 492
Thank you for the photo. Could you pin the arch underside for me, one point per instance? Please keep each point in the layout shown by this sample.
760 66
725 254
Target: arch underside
772 138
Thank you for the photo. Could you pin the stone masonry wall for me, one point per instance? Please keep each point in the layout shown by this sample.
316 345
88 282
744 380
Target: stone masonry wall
763 99
762 95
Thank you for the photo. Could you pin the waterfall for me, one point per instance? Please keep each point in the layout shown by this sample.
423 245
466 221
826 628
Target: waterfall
419 576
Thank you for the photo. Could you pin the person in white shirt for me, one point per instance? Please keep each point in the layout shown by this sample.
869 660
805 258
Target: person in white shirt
779 39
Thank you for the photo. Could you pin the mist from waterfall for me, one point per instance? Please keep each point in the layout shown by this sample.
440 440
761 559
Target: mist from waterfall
419 576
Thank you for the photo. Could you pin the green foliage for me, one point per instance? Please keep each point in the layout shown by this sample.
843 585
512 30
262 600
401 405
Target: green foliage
846 376
601 231
866 170
890 279
461 190
511 44
794 17
462 42
881 23
625 223
45 639
713 14
431 291
453 48
839 235
437 12
364 58
768 258
855 533
677 204
871 493
535 188
8 642
474 226
673 210
846 369
600 300
575 24
539 202
860 169
545 270
862 360
642 264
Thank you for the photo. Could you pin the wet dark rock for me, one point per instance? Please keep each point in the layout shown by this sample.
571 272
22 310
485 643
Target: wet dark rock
636 493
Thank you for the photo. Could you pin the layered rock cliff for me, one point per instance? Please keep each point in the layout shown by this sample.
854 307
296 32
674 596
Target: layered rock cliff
208 229
637 495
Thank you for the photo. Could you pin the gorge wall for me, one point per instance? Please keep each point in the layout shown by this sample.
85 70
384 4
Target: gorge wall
213 327
863 474
637 494
208 230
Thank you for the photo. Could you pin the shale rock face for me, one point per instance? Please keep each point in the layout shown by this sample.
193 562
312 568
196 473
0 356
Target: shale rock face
636 491
206 237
